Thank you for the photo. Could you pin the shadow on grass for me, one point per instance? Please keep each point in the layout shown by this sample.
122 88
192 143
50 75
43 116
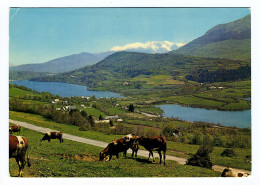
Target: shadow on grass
143 160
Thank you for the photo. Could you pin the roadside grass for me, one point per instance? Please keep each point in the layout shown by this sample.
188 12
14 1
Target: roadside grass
174 148
73 159
238 161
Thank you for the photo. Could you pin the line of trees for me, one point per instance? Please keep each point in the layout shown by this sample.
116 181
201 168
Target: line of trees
75 117
201 76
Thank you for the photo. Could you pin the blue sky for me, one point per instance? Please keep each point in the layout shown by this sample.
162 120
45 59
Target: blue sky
41 34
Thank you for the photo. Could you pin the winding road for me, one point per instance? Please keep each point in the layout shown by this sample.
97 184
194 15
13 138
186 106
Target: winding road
101 144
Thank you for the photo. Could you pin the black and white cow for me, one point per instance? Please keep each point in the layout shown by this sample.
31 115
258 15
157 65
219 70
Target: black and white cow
52 135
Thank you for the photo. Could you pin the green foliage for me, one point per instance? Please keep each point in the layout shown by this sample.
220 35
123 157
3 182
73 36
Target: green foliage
229 152
131 108
25 75
202 156
201 76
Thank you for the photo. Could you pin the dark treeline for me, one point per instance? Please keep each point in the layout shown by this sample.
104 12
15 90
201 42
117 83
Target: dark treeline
243 72
75 117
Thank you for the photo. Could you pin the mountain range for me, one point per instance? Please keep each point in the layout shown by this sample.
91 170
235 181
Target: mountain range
64 64
75 61
231 40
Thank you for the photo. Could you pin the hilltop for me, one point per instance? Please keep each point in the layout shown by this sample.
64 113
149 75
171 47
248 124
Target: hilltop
231 40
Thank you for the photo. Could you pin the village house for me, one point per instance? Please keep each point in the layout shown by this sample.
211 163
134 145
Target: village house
68 108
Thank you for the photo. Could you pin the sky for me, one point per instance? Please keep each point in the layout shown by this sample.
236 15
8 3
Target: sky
38 35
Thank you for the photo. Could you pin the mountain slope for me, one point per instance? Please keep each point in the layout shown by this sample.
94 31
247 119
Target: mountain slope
63 64
231 40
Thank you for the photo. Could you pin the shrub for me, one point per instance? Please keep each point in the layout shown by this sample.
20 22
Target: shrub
197 139
202 156
229 152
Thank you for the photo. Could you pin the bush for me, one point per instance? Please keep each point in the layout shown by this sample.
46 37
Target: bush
202 157
197 139
229 152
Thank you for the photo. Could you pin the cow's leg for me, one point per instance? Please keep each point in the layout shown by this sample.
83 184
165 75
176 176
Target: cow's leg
117 156
49 140
19 165
160 155
125 153
152 156
110 157
164 155
151 153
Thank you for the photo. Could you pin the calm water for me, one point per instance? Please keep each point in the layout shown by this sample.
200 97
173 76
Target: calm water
241 119
64 89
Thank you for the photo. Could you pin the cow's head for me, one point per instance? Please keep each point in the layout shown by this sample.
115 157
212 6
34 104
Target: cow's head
102 156
45 137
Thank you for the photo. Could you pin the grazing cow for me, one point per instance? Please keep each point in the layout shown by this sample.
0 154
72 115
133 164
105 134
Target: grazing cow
18 146
130 138
117 146
52 135
229 172
155 143
15 128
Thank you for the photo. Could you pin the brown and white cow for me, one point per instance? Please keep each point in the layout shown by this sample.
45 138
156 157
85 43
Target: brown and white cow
229 172
117 146
155 143
15 128
18 146
52 135
130 139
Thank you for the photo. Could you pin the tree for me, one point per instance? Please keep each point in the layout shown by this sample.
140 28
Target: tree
202 156
83 113
131 108
91 120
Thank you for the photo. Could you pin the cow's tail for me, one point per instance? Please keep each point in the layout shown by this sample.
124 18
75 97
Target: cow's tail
28 161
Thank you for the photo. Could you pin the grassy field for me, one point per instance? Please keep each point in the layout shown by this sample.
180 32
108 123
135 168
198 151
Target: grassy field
13 92
72 159
174 148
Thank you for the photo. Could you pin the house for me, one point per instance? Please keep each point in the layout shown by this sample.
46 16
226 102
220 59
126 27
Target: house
112 117
68 108
212 87
102 121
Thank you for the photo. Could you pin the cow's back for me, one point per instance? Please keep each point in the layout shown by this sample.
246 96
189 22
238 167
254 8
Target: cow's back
155 142
17 143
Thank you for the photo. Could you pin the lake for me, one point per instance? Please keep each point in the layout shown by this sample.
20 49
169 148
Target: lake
64 89
241 119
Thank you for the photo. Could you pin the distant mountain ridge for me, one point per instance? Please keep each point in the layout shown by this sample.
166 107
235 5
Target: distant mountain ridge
63 64
231 40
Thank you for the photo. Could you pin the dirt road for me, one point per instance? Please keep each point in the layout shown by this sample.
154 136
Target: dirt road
104 144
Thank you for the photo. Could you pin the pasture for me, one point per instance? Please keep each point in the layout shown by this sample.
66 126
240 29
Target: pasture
72 159
173 148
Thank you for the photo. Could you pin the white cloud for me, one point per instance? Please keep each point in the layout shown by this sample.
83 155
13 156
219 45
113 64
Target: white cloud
149 47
